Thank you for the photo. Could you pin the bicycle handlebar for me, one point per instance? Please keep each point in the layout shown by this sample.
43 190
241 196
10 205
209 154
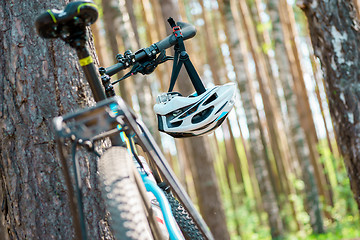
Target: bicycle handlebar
187 30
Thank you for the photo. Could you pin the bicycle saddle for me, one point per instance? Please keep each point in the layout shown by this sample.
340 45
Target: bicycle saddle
54 23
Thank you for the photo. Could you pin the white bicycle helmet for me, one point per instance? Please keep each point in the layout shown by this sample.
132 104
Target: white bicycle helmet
194 115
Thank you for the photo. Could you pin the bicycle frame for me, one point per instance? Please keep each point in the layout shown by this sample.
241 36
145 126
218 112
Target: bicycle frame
145 140
100 121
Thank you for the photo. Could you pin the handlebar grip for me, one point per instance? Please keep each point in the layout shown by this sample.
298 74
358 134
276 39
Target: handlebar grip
115 68
187 30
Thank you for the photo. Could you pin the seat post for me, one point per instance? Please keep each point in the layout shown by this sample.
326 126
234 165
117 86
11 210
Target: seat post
91 74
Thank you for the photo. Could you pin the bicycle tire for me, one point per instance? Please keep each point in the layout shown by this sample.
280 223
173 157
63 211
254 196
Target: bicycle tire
184 220
123 200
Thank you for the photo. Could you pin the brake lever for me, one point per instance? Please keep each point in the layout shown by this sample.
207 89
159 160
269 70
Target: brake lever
134 70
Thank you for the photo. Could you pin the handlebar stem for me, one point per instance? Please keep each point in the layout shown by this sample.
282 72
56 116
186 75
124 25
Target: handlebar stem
109 88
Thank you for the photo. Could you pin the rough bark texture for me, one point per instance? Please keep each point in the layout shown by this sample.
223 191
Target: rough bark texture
335 36
39 79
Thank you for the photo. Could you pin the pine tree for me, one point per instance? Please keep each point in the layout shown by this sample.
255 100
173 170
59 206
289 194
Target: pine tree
40 79
334 29
201 160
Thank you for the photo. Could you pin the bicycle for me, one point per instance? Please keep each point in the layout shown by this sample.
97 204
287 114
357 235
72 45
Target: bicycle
124 186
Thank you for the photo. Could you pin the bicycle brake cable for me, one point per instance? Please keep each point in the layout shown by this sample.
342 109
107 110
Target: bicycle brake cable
133 71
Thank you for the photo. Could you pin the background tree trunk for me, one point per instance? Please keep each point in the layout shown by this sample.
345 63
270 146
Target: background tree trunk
305 113
335 36
202 160
113 23
39 79
256 134
312 204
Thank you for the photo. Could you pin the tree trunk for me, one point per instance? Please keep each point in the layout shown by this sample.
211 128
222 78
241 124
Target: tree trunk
335 37
285 168
270 107
216 63
202 160
40 79
112 23
206 186
257 147
318 84
306 119
233 186
138 83
312 204
211 56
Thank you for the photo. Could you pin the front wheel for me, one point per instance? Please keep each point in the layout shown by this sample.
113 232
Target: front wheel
122 197
183 219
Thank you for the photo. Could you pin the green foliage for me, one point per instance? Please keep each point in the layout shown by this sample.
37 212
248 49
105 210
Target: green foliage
347 228
345 223
261 27
250 225
344 203
297 200
344 211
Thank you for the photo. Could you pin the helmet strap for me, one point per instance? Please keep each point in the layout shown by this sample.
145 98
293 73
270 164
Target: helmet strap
181 57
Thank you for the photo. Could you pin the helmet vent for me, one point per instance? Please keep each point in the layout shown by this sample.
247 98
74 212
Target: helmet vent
210 99
174 124
202 115
189 112
221 107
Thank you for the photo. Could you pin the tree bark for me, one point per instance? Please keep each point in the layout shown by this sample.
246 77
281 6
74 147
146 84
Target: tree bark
211 56
334 30
40 79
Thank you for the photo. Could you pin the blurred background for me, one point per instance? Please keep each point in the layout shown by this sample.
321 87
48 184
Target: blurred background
273 169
